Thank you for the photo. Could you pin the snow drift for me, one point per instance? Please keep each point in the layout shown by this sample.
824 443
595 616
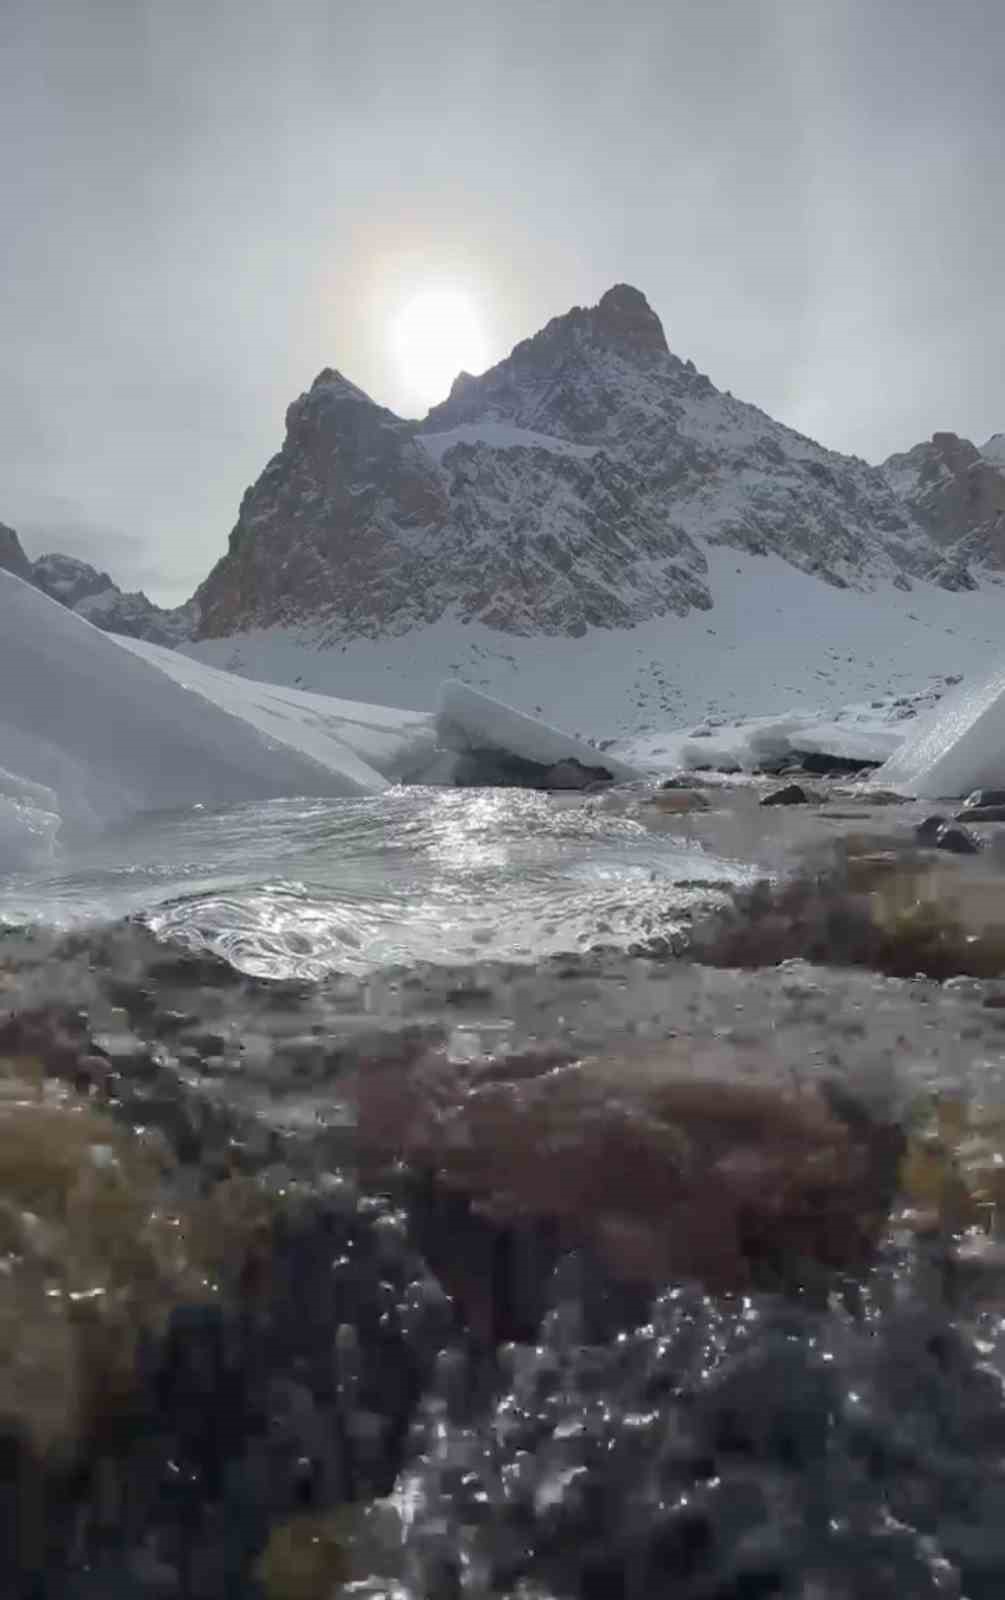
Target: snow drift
958 746
755 744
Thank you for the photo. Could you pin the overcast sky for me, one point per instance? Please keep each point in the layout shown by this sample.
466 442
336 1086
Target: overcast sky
206 201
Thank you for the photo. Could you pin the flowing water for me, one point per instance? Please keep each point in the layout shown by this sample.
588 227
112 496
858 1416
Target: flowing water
841 1438
301 888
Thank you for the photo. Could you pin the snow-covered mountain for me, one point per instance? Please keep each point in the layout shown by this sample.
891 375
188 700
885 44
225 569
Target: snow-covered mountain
92 595
957 492
577 485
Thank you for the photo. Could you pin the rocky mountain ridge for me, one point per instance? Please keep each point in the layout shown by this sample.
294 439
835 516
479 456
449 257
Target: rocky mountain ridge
957 492
93 595
582 483
577 484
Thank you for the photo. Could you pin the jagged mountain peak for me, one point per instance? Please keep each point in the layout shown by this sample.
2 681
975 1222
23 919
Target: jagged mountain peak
576 360
622 320
994 449
957 493
92 594
330 384
625 316
12 556
578 483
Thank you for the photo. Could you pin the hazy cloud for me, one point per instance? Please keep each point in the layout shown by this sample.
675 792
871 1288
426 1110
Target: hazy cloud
206 201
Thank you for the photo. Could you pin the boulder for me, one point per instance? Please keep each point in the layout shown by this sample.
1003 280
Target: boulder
500 769
572 774
791 795
927 831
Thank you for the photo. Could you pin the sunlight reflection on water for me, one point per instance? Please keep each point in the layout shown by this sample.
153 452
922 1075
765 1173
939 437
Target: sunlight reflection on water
300 888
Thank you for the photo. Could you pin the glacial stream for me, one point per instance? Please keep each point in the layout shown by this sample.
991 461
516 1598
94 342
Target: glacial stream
301 888
450 1232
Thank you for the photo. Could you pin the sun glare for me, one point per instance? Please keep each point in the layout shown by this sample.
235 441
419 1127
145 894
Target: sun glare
437 334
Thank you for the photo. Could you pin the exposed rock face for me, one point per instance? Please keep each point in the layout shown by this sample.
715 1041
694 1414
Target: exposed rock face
576 484
958 493
68 580
12 556
339 522
93 595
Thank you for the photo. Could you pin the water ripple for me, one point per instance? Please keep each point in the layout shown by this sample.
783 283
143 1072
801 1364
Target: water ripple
302 888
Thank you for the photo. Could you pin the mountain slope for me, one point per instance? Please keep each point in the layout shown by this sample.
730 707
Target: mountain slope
957 492
93 596
579 484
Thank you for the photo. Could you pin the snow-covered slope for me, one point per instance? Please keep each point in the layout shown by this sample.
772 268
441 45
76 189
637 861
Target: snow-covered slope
91 732
777 641
578 486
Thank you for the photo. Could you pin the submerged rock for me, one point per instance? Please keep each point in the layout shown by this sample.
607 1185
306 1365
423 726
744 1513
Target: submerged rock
960 841
927 832
188 1356
726 1449
710 1444
681 1161
677 801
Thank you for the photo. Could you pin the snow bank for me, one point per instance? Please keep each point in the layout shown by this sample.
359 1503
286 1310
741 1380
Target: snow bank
91 732
958 746
755 742
777 641
467 720
502 436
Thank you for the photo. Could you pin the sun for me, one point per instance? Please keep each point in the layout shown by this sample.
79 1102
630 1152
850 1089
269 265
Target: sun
437 334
